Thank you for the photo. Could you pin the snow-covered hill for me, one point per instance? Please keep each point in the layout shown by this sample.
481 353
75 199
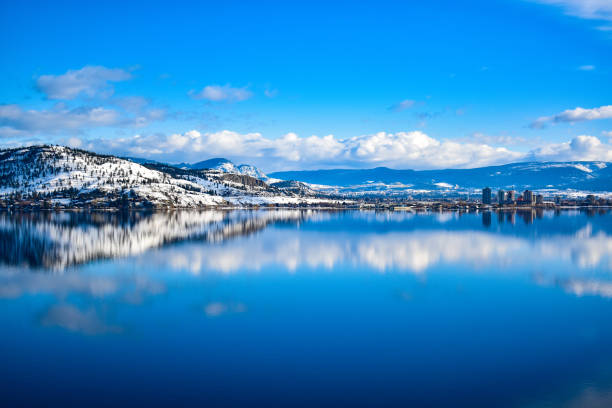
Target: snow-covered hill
225 166
52 175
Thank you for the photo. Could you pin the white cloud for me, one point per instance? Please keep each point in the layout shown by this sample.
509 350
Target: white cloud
414 150
17 122
403 105
89 81
579 148
588 9
401 150
57 119
225 93
586 67
575 115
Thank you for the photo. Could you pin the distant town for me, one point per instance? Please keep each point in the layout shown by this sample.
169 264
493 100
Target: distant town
501 200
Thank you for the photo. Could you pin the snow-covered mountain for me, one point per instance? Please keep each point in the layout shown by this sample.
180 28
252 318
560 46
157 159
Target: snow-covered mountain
583 176
57 175
249 170
225 166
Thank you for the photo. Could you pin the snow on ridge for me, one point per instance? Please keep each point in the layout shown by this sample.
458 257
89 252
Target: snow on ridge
250 170
54 170
583 168
444 185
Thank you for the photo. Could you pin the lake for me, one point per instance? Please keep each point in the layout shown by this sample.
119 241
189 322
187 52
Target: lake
306 308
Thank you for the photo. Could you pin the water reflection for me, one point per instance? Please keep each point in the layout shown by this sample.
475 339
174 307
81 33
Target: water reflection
379 241
502 299
558 248
57 240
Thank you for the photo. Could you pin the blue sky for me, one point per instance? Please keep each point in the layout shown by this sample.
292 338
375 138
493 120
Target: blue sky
289 85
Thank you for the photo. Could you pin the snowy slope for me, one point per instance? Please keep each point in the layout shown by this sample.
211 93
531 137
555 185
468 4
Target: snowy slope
225 166
71 176
249 170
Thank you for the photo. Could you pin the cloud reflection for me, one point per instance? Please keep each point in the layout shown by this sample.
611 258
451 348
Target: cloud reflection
231 242
414 252
215 309
73 319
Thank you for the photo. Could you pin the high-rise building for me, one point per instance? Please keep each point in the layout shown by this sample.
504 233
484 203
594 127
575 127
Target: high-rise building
486 195
501 197
528 197
510 197
539 199
591 199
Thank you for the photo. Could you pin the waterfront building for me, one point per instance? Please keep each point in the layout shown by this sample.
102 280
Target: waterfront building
501 197
528 197
510 197
539 199
486 195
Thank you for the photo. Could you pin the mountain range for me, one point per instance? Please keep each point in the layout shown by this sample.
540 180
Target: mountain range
583 176
57 175
578 175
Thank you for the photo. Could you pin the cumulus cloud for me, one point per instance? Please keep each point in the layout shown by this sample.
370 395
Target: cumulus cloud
403 105
574 115
582 147
225 93
89 81
588 9
401 150
18 122
415 150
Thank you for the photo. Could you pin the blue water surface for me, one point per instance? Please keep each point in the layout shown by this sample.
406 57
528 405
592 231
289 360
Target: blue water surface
306 308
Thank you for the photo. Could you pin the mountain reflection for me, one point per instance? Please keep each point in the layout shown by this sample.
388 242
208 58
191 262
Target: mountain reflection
57 240
568 249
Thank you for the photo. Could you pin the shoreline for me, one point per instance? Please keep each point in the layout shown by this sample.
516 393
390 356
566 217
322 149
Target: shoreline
434 208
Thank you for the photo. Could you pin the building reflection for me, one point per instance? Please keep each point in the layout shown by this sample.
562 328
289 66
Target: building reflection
527 215
511 217
486 218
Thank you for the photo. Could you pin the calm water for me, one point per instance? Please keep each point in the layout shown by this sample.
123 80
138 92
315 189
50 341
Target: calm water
304 308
